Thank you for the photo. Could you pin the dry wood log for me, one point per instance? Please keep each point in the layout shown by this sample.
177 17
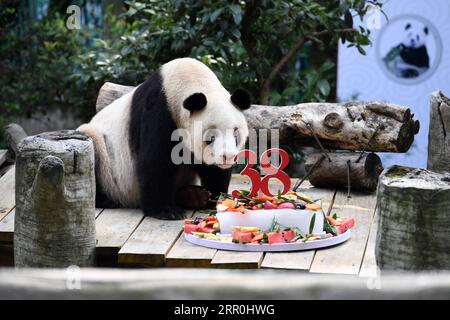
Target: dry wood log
439 134
337 125
110 92
95 283
414 220
55 201
14 135
365 169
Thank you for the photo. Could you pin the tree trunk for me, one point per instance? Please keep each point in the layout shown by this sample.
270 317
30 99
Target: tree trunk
414 220
369 126
55 201
439 134
364 171
110 92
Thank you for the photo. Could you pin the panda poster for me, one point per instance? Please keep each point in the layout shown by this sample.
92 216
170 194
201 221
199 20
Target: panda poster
408 60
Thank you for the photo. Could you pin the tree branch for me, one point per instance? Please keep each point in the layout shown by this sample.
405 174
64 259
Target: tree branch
265 86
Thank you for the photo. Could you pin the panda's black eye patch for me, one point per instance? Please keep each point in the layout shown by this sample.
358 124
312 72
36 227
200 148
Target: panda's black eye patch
196 101
241 99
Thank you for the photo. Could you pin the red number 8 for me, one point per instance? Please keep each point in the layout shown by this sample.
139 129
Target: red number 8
267 167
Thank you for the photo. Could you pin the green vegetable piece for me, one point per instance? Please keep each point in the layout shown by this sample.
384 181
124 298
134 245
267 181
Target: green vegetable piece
311 224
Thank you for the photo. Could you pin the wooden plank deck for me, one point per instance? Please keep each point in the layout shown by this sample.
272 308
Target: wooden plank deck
126 238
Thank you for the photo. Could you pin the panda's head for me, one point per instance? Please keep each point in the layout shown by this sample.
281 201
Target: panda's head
217 126
415 35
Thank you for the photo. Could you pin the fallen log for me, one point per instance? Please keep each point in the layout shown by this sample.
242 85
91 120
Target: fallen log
413 220
55 201
14 135
362 169
439 134
369 126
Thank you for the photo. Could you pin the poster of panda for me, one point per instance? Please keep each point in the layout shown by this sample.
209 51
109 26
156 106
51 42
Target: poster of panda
408 60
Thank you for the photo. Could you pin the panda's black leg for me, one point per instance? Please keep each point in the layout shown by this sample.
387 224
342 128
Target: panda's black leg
157 190
193 197
215 180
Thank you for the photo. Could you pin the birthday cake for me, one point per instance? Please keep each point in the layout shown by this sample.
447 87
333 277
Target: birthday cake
289 218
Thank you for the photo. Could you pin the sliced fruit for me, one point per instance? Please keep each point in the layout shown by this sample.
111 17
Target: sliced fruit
258 238
333 221
250 229
305 197
288 235
242 236
346 224
286 205
207 230
190 228
262 198
221 207
268 205
199 234
313 206
228 203
275 237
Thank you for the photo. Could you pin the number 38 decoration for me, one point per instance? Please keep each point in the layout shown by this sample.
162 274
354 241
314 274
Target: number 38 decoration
262 184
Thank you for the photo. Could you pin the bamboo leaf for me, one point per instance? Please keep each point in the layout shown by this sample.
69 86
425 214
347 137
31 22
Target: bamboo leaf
311 224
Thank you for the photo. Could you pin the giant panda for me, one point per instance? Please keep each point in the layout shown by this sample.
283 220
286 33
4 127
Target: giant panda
410 59
134 141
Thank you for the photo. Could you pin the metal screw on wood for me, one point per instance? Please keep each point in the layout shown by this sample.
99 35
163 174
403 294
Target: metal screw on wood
380 126
348 179
318 162
325 152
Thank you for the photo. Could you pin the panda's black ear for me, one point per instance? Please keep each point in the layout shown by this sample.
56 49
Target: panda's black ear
241 99
425 30
196 101
408 26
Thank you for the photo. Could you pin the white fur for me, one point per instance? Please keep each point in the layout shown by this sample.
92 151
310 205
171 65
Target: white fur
184 77
415 36
117 172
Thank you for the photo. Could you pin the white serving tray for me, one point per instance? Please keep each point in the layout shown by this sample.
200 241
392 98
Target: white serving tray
263 219
296 246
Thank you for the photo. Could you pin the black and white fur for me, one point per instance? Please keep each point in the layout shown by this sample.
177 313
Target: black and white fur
133 140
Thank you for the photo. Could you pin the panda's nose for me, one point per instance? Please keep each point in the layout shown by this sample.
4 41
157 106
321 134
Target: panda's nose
228 158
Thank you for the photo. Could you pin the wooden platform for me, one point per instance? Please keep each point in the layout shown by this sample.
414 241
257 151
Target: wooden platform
126 238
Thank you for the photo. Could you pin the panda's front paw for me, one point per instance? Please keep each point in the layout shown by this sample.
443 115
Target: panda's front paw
167 213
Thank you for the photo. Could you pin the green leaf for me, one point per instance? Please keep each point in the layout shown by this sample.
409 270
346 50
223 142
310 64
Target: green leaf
215 14
237 13
361 50
311 224
348 19
363 40
324 87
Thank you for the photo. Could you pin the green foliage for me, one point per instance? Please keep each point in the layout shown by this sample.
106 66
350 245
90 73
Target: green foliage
281 51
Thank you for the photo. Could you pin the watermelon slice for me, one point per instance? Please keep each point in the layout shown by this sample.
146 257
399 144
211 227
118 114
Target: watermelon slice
189 228
207 230
288 235
242 236
346 224
275 237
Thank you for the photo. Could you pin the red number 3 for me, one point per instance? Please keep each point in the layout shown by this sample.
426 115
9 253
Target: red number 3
270 170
